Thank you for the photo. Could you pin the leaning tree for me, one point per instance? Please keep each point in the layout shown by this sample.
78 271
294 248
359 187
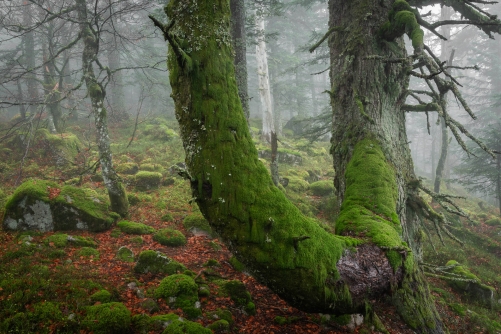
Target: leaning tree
376 248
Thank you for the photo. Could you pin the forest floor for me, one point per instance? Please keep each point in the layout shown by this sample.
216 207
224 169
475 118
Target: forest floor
36 272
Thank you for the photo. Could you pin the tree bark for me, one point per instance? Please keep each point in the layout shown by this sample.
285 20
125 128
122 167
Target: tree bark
29 54
238 35
307 266
116 191
51 87
366 96
264 79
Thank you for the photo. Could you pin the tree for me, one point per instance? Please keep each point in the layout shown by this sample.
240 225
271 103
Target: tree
90 36
378 229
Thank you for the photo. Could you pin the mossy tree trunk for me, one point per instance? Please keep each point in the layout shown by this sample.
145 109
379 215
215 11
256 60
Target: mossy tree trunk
238 35
51 83
307 266
366 96
90 37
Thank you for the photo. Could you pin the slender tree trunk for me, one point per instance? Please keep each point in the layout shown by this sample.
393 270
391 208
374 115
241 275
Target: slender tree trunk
116 191
239 45
498 182
20 98
117 95
307 266
445 14
51 87
366 97
29 53
263 79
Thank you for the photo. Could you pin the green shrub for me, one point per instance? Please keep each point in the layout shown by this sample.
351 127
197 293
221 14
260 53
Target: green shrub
170 237
129 227
322 188
108 318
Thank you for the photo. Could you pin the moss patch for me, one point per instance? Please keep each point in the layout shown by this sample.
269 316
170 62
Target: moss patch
155 262
148 180
108 318
183 290
102 296
170 237
196 221
129 227
322 188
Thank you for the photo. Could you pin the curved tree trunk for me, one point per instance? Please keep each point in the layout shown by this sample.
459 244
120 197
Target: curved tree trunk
366 96
116 191
307 266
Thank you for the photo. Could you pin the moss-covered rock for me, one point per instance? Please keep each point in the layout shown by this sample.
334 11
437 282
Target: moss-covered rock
322 188
170 237
222 314
108 318
128 168
148 180
195 222
494 221
239 294
125 254
88 252
102 296
151 167
64 147
150 261
3 199
297 185
46 206
61 240
129 227
160 132
181 291
468 283
219 326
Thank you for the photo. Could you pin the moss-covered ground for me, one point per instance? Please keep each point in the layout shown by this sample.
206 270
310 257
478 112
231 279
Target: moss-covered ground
50 285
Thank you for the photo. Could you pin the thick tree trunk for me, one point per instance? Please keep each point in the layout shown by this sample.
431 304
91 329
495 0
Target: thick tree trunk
239 45
498 182
116 191
366 97
309 267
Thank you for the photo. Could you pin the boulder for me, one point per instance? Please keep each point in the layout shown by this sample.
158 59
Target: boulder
469 284
46 206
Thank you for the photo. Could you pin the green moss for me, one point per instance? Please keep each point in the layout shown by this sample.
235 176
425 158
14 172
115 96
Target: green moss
3 199
133 199
151 167
494 222
219 326
211 263
129 168
167 217
185 327
148 180
185 291
108 318
57 240
65 144
170 237
155 262
237 265
402 20
459 309
196 221
297 185
102 296
369 207
88 252
223 314
322 188
125 254
129 227
279 320
137 240
239 294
